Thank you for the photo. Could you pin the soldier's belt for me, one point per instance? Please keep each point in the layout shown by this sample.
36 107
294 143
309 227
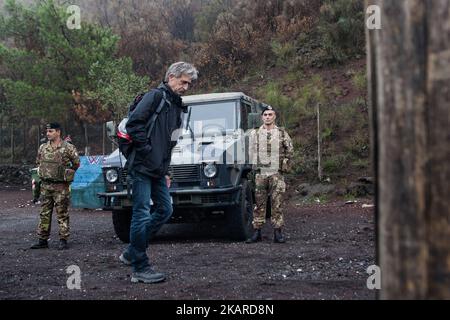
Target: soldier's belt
49 181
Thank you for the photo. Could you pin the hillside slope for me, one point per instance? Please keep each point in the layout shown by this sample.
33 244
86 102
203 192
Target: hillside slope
341 93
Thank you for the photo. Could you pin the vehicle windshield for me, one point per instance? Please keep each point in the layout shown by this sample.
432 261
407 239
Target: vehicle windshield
210 118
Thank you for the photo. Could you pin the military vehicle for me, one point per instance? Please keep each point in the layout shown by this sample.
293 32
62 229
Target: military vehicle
210 166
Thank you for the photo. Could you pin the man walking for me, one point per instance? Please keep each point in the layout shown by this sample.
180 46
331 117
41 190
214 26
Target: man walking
149 166
57 162
271 153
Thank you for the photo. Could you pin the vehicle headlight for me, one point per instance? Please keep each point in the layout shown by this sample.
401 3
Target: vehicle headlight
112 175
210 170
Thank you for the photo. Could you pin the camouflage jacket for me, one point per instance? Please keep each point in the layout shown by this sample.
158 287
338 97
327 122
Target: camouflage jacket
57 164
271 151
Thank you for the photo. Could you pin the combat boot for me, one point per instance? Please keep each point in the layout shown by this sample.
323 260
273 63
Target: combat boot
255 237
278 236
62 244
42 244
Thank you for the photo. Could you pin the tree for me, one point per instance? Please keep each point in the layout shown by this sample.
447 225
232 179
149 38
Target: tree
145 35
47 69
110 79
207 16
409 102
341 26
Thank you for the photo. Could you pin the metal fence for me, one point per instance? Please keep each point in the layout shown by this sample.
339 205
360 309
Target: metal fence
19 142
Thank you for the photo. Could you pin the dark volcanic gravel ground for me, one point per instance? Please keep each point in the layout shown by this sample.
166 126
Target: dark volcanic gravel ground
328 251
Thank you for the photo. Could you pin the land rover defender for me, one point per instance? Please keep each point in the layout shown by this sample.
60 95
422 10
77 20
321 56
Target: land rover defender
210 166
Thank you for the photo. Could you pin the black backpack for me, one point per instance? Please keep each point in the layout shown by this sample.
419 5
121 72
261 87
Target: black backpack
124 140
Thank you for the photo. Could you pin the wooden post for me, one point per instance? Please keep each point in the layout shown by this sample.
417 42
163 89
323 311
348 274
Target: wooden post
319 140
409 84
103 138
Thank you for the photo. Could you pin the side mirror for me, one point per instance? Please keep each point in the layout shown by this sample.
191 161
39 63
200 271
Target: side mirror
254 120
111 129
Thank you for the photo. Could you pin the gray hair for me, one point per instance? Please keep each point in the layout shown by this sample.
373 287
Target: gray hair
179 68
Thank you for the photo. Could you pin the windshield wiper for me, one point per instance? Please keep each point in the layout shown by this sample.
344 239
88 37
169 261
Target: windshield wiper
188 125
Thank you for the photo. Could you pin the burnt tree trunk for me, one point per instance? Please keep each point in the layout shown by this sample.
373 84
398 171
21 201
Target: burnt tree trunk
25 143
12 144
1 138
409 89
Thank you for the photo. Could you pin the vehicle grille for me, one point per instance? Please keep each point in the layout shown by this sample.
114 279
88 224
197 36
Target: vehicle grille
182 173
214 198
185 173
124 176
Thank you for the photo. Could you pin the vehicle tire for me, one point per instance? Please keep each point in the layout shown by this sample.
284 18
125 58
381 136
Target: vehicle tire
239 217
122 222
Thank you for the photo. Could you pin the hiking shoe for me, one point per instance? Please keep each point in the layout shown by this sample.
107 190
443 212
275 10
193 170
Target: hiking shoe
147 276
125 259
42 244
62 244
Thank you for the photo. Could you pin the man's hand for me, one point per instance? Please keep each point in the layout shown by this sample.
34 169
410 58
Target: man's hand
69 175
168 181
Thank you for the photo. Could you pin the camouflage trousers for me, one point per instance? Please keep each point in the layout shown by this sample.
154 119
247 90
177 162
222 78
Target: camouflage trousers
54 196
265 186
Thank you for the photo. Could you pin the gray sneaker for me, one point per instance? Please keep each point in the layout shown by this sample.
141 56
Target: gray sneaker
125 259
147 276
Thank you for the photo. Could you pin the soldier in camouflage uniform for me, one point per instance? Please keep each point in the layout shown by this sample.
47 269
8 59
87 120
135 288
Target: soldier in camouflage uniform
271 154
57 161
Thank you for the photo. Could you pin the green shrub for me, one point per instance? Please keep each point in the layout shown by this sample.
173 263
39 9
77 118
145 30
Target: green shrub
309 96
359 80
341 26
206 18
362 163
334 163
327 133
294 76
273 95
358 145
304 162
344 117
284 52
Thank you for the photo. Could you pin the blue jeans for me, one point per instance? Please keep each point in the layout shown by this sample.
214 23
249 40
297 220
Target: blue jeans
145 223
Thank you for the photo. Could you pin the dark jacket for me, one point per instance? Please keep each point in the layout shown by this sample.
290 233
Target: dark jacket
153 155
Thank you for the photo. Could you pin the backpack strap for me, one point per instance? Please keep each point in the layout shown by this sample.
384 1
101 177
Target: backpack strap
152 121
150 125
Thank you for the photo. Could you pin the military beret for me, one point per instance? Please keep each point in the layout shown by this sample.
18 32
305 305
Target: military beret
268 108
53 125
